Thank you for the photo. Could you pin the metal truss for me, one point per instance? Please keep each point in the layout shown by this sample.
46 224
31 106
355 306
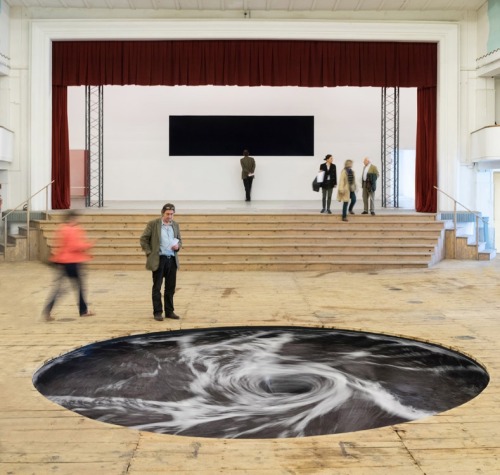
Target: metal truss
94 146
390 147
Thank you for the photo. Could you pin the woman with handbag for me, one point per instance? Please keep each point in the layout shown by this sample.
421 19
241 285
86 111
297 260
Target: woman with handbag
329 182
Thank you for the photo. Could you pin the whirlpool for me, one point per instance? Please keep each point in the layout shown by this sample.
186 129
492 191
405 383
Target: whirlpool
260 382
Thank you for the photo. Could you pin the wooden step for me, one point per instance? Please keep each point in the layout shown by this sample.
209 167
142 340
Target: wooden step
16 249
277 242
331 247
285 266
307 240
279 226
142 219
269 257
320 235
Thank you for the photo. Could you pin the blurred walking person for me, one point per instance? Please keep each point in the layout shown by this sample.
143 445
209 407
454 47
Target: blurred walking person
346 192
71 251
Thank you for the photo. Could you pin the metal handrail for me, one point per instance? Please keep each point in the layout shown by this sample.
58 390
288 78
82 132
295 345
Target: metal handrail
28 210
475 213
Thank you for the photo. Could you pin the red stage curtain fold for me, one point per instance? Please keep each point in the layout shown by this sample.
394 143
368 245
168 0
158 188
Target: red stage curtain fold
61 198
234 62
426 152
244 63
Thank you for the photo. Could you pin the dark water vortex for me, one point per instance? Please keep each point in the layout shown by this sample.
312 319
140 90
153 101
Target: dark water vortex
260 382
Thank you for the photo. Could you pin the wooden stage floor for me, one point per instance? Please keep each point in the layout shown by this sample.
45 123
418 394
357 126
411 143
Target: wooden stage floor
231 207
455 304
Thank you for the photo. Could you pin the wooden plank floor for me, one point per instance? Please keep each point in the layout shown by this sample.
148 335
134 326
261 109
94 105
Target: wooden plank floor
454 303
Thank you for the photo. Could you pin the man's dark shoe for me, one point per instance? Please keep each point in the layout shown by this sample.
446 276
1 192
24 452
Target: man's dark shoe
173 316
373 213
364 212
158 317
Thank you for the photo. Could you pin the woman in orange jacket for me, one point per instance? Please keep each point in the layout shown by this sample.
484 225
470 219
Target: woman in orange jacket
71 251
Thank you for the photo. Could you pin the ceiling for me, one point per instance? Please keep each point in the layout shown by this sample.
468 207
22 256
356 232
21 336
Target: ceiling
262 5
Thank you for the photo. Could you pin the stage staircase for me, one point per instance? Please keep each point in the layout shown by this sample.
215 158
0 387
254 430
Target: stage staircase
272 242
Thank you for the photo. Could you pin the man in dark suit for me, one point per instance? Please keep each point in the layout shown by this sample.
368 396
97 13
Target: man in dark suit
161 241
247 173
369 185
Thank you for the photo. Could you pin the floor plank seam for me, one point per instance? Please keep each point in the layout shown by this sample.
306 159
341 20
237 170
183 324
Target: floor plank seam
134 452
408 451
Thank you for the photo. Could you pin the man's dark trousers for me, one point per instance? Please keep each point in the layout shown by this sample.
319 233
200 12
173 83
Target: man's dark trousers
167 270
247 183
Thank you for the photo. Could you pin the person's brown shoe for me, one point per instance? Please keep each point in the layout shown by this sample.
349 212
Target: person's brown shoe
46 317
173 316
158 317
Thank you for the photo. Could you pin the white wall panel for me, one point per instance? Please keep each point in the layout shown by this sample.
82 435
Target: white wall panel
136 161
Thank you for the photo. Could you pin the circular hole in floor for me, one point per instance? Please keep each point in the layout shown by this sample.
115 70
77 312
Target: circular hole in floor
260 382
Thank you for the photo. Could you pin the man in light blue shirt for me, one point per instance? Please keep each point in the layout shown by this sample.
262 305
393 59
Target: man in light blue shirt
161 241
167 240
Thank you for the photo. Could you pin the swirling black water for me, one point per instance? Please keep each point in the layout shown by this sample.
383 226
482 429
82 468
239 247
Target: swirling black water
260 382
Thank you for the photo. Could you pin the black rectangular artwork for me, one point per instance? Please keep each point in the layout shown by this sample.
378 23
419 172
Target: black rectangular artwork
216 135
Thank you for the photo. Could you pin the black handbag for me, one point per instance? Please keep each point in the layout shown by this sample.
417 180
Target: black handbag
315 185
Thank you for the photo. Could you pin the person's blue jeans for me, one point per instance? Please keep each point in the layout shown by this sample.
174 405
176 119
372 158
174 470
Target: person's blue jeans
350 204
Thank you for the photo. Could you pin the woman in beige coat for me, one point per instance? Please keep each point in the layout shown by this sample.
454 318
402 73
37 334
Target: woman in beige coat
346 191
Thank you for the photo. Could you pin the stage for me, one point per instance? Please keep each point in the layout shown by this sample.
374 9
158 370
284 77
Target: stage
230 207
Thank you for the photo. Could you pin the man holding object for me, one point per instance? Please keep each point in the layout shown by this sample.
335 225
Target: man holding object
161 241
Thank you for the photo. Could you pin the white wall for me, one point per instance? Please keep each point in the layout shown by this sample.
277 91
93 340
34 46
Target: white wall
136 161
4 38
4 94
483 30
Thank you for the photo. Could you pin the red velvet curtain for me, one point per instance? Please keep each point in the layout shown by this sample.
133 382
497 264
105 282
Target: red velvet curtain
242 63
426 151
60 148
